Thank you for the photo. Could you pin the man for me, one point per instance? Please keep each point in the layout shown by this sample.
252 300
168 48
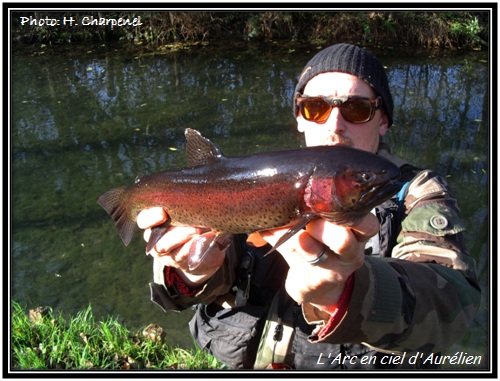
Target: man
368 296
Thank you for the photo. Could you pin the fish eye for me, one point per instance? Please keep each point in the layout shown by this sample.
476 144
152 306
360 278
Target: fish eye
366 177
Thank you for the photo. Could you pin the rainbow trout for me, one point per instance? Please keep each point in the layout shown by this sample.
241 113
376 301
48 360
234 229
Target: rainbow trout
233 195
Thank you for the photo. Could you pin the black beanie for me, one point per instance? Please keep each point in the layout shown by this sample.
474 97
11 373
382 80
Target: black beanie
353 60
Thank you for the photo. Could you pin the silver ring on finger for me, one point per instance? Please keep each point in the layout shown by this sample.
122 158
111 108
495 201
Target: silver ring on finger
320 258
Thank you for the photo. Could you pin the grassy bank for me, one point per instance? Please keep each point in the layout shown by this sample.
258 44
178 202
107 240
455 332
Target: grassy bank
167 29
42 339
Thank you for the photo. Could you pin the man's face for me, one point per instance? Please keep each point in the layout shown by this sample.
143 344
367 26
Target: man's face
336 130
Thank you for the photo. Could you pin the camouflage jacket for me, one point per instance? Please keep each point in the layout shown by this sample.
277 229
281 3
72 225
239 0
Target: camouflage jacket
416 292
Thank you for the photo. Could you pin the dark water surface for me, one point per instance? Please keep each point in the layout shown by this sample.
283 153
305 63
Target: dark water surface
82 124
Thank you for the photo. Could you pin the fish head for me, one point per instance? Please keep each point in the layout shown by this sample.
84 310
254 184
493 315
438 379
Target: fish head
347 194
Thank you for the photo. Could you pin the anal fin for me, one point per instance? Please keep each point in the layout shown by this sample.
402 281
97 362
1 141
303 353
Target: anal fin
156 233
204 245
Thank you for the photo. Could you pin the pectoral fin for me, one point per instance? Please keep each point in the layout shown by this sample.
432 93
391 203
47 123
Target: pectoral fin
306 218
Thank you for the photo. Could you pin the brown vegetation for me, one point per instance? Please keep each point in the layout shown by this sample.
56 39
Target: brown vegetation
445 29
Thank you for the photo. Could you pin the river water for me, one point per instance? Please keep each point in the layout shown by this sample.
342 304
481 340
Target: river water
84 123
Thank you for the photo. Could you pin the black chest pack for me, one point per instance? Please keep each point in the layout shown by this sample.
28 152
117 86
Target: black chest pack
390 214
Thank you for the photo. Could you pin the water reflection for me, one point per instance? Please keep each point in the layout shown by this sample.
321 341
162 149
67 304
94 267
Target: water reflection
82 125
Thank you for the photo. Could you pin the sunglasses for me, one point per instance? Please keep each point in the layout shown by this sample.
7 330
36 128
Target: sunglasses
353 109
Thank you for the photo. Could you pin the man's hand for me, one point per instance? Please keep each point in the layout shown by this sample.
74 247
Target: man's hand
173 248
322 284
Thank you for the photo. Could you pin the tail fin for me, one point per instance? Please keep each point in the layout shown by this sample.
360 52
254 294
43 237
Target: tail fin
111 202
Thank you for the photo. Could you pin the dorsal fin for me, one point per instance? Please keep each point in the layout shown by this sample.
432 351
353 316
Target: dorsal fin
200 150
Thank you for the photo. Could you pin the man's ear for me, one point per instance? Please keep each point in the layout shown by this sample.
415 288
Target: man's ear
384 124
300 123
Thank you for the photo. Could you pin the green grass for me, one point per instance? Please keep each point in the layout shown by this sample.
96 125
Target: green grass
43 340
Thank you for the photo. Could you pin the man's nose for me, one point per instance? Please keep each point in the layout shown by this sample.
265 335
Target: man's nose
335 122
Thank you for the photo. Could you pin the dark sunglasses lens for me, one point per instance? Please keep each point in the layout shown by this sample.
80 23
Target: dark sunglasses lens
315 109
356 110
